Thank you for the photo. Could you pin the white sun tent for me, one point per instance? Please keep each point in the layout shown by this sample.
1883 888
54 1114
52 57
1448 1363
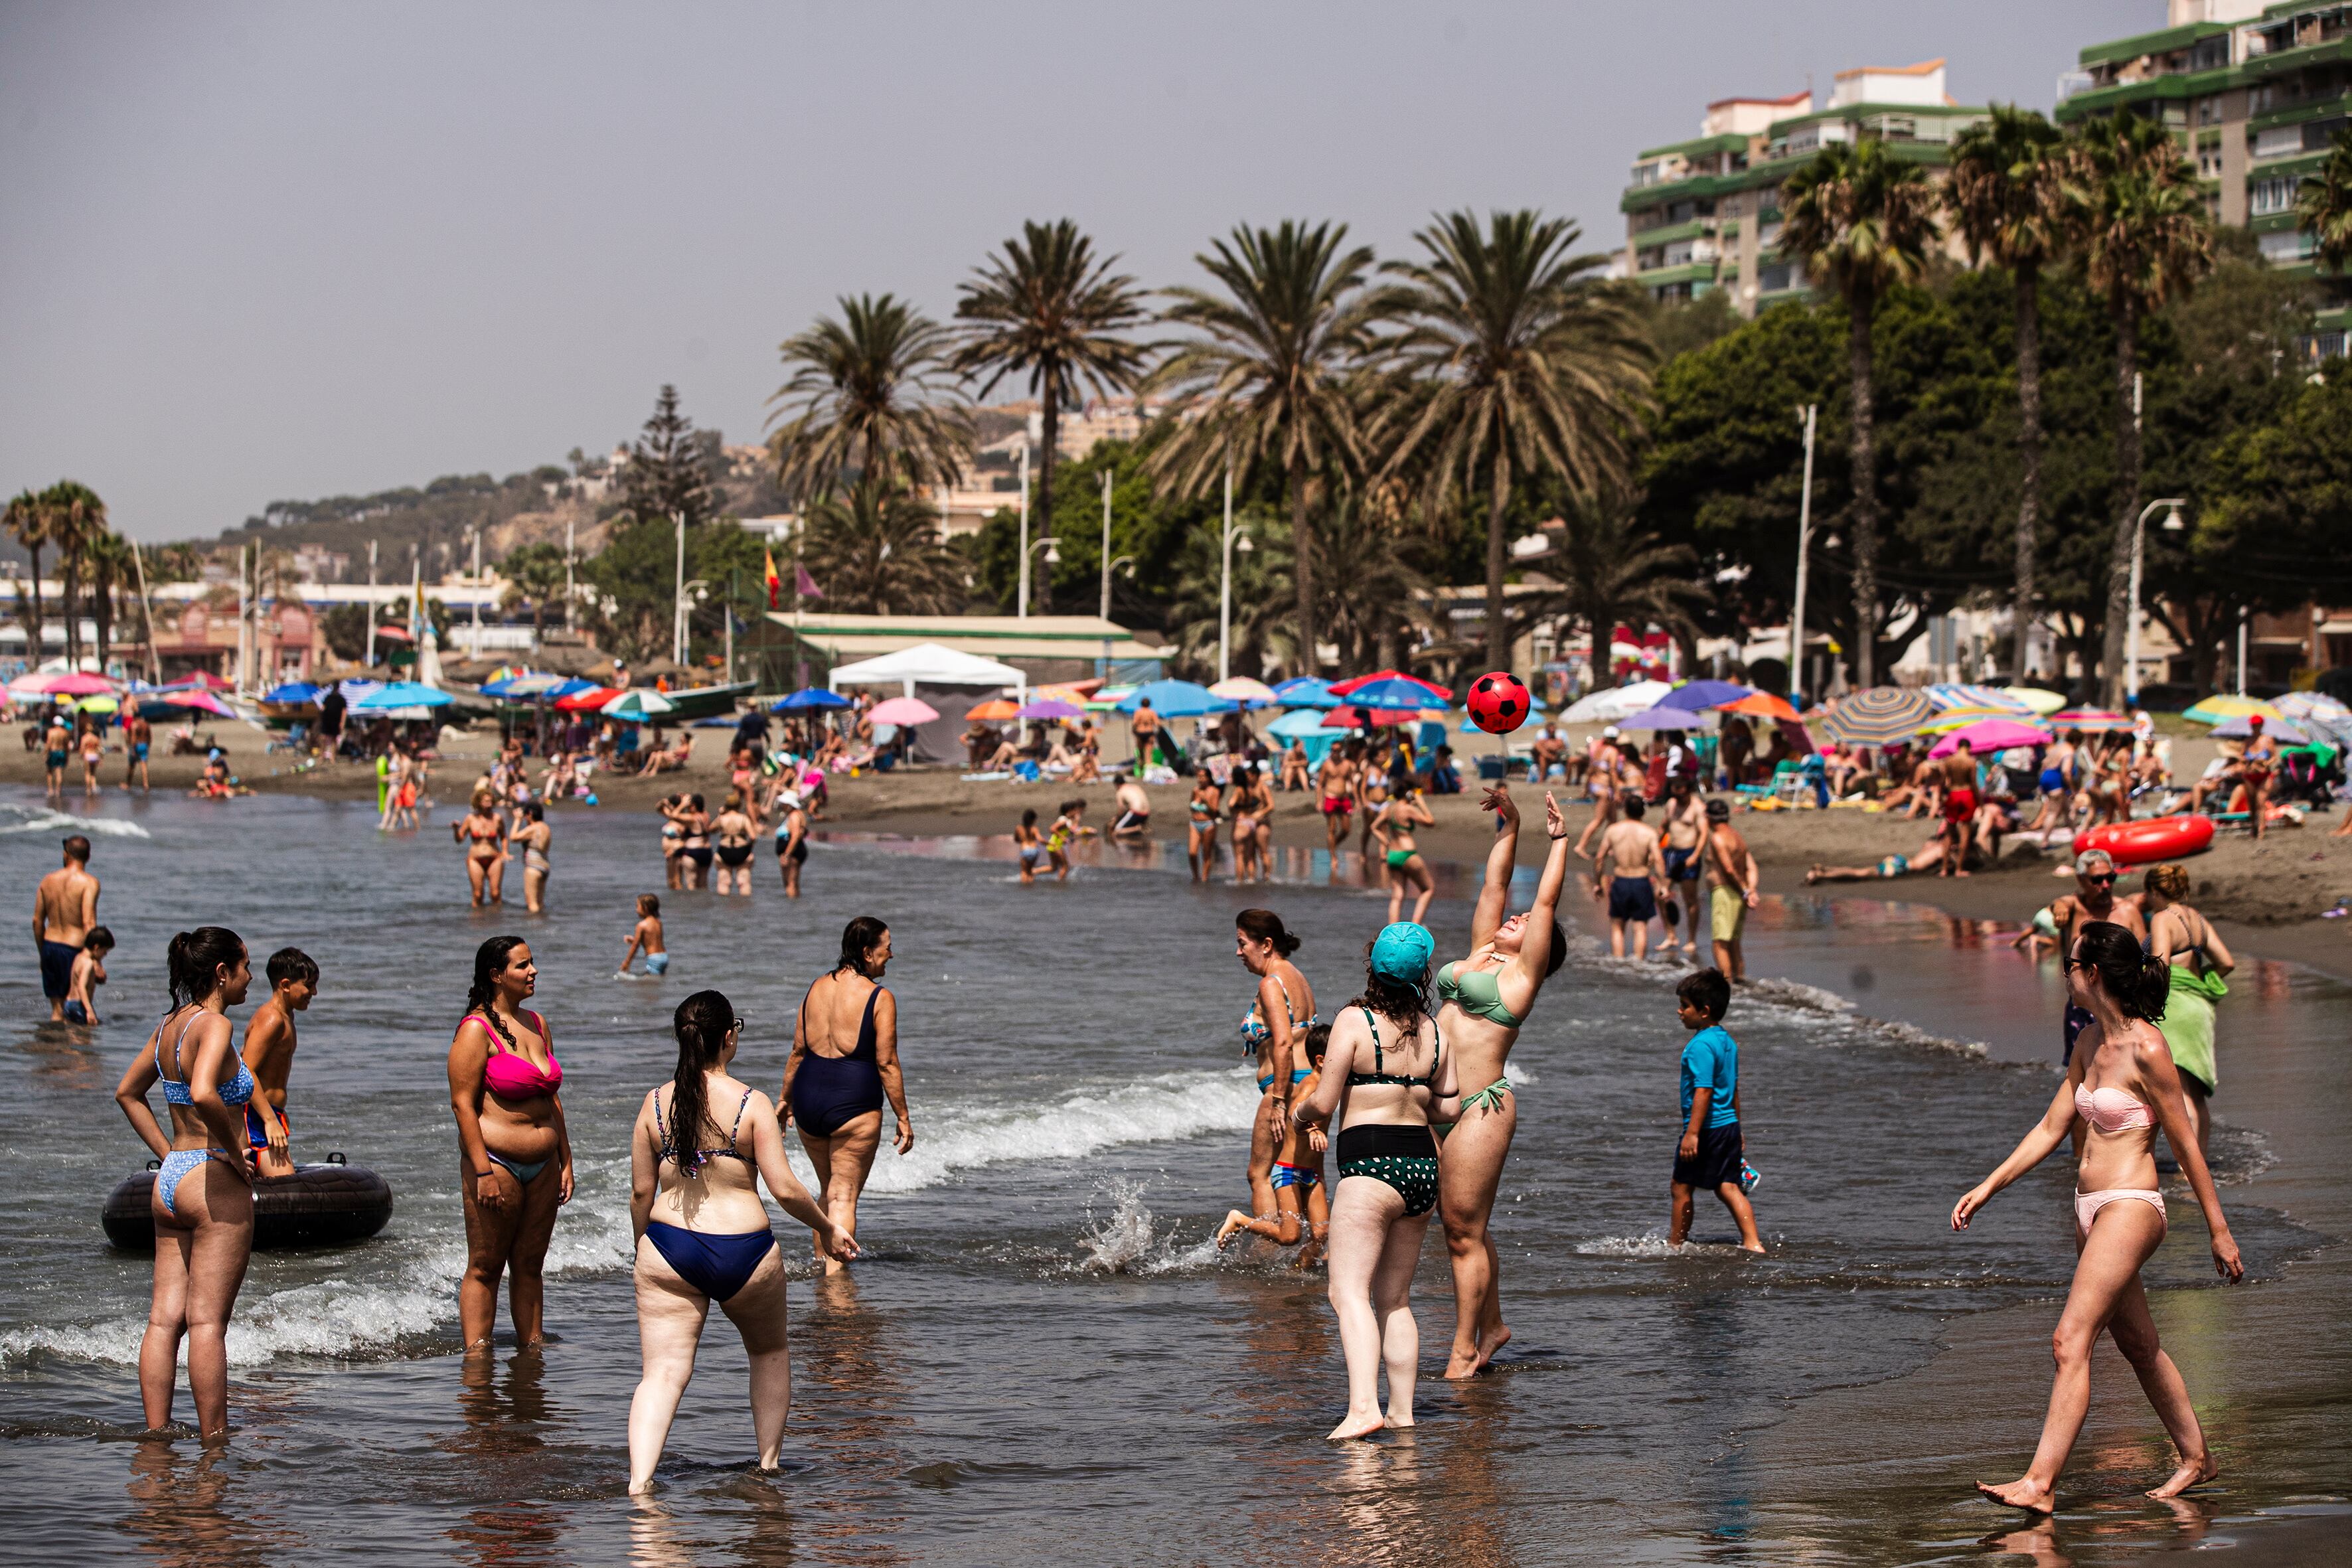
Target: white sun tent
928 664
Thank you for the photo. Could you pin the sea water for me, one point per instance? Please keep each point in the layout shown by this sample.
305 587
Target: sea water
1043 1350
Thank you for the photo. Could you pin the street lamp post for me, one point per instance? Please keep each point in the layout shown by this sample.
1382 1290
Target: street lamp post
1106 548
1023 607
1225 585
1805 538
2172 524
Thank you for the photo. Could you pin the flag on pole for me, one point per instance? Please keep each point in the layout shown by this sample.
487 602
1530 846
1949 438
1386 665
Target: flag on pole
776 583
808 588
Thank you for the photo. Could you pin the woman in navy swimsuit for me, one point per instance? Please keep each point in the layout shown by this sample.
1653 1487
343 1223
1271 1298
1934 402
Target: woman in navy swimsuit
703 1235
845 1061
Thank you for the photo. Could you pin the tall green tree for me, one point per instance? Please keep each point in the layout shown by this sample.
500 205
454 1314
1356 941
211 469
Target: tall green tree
877 551
1268 377
1520 362
27 522
2323 208
669 472
2004 194
1862 220
106 556
1047 310
1610 566
535 574
2141 227
76 517
870 395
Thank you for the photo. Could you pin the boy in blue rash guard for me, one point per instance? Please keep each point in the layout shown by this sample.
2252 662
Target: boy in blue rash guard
1711 1152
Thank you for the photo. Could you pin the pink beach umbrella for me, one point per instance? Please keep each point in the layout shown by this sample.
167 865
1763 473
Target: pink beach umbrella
81 683
903 710
1988 735
200 701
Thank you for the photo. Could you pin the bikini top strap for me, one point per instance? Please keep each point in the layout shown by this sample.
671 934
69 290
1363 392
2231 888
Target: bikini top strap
539 1025
866 1025
1374 1025
177 1041
741 1106
1289 1014
498 1041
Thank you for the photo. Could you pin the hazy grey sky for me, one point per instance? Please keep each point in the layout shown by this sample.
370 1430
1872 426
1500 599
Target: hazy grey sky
250 252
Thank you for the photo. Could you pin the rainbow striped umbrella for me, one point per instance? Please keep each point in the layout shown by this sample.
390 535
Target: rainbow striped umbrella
1878 717
2089 721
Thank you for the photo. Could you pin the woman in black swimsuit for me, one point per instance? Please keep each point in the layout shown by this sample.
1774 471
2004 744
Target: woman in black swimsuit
834 1089
695 847
736 831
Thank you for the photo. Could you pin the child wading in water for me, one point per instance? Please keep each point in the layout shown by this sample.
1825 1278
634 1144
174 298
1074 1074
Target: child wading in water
1071 823
89 972
1712 1153
647 938
1032 848
1299 1191
269 1043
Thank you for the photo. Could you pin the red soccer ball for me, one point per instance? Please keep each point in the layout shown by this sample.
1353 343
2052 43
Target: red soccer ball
1498 703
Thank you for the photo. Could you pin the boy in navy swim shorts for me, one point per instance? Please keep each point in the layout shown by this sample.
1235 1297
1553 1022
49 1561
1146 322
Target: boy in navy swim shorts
1712 1153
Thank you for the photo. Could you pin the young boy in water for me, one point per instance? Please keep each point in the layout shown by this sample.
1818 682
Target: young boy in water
269 1056
1032 848
1711 1152
647 938
1299 1194
89 972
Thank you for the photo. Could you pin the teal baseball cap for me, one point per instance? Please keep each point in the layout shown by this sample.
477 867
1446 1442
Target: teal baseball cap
1402 951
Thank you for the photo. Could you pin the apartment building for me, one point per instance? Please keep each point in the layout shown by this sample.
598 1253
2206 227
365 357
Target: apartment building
2256 93
1705 214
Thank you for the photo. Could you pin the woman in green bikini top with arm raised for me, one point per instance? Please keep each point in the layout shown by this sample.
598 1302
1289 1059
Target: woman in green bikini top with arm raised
1484 1000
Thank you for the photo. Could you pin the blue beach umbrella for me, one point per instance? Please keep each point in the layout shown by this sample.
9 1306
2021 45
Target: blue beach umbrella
1393 693
1301 725
1177 700
403 694
293 693
810 698
1697 694
1306 691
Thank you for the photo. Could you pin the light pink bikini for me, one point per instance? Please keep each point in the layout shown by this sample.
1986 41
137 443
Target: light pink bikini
2113 1111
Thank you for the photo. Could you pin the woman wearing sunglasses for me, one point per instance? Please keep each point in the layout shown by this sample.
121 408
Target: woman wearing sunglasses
2121 1088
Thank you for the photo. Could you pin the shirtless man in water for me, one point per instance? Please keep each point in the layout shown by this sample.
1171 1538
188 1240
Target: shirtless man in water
1686 840
1335 784
56 740
269 1055
2093 899
1730 889
1134 818
1634 873
65 906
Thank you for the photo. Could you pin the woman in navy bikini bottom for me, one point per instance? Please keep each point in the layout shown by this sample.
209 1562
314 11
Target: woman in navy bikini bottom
203 1203
703 1142
845 1062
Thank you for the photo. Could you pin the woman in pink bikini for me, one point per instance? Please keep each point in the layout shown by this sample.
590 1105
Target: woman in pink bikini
504 1084
2121 1082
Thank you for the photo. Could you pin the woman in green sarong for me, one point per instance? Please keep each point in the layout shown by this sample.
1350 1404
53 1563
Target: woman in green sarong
2185 940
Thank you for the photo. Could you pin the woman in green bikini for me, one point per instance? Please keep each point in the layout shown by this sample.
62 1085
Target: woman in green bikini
1482 1003
1392 825
1390 1071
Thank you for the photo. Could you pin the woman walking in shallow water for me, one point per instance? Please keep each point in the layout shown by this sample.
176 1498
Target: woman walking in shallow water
845 1062
2121 1082
1385 1076
1482 1003
1274 1030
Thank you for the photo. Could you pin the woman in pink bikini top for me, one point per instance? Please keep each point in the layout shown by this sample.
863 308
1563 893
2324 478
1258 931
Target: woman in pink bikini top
2122 1084
515 1154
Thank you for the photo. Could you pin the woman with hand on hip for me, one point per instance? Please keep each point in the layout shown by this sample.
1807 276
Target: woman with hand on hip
504 1086
845 1061
701 1146
203 1199
1482 1003
2199 962
2121 1082
1274 1031
1385 1074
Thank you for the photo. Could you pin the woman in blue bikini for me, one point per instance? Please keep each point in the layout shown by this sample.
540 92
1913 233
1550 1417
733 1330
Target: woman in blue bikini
845 1062
1274 1031
703 1144
203 1203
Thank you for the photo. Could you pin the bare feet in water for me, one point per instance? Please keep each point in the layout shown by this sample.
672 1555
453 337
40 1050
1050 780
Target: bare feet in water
2024 1493
1356 1427
1234 1220
2192 1473
1489 1343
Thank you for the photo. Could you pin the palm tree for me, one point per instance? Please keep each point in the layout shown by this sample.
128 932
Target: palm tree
1519 361
1610 567
1047 308
2323 208
534 573
27 522
2143 233
76 517
878 551
872 399
2004 196
108 556
1268 377
1863 221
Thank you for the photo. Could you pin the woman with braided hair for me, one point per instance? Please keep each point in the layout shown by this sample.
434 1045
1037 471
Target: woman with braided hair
702 1144
504 1086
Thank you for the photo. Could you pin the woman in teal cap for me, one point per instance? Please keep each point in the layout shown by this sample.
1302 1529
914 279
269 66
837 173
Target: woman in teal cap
1483 1002
1390 1072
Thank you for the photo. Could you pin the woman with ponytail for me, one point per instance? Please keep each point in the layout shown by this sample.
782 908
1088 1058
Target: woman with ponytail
203 1201
2121 1083
516 1157
702 1144
845 1062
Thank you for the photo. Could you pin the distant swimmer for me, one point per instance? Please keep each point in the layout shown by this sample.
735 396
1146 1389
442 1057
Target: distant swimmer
203 1198
791 840
269 1041
703 1144
65 908
736 833
1204 808
1031 846
2121 1088
1386 1074
844 1063
514 1151
89 974
645 937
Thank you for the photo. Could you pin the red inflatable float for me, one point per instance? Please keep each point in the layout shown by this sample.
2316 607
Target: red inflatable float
2157 838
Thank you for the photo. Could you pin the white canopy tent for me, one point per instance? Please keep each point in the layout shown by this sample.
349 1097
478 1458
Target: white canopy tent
932 665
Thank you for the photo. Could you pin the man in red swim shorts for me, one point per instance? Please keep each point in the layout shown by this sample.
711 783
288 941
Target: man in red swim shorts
1335 781
1959 810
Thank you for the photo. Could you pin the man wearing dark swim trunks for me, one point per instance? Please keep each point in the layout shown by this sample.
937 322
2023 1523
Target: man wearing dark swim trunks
57 738
1637 874
2093 899
1146 726
65 907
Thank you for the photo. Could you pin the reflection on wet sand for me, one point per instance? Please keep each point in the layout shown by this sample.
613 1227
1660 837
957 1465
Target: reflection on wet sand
186 1512
64 1057
505 1411
847 1358
1292 864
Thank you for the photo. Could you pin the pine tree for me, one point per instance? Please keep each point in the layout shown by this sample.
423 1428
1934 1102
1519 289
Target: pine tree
669 474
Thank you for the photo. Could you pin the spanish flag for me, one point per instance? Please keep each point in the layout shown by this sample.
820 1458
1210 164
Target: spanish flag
775 584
